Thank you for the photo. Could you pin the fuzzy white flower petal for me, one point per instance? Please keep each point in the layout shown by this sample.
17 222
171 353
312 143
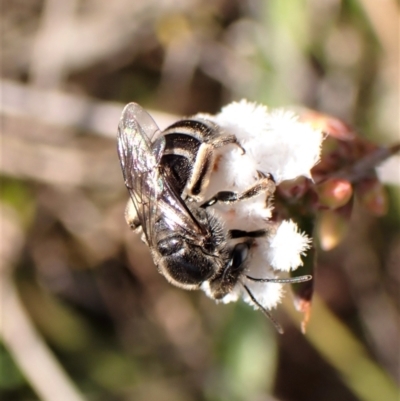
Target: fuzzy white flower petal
287 246
296 145
246 119
275 141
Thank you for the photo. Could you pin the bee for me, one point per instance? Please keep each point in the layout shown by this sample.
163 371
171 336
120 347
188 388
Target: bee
166 173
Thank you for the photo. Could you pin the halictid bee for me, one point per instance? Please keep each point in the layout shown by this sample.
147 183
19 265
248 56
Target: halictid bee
165 172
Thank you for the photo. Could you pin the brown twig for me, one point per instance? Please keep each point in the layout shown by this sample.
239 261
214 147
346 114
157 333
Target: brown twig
364 167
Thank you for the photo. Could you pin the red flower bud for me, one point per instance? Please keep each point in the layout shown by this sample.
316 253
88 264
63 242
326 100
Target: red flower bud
372 195
334 192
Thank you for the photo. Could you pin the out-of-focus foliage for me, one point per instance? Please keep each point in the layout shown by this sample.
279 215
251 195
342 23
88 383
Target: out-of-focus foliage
91 299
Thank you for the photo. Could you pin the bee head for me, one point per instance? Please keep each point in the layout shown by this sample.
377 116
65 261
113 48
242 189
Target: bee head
226 279
187 264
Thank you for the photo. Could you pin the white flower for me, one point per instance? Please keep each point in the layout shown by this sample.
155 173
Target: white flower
276 143
287 246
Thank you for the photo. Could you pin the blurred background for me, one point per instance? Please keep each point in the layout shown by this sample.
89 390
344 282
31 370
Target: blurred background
84 313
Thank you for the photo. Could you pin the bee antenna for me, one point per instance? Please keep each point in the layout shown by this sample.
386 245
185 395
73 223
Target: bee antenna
290 280
263 310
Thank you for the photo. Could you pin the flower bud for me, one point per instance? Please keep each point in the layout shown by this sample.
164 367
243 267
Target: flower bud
334 192
372 195
327 124
293 189
331 229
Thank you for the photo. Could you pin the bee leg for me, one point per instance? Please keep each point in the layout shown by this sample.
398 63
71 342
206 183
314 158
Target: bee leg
223 140
201 171
265 184
290 280
203 165
247 234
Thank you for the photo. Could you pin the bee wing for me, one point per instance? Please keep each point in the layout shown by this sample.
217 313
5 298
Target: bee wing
151 194
135 132
139 159
176 214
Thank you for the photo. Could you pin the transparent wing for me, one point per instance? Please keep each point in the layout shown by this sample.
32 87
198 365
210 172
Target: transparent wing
136 116
139 163
151 194
135 132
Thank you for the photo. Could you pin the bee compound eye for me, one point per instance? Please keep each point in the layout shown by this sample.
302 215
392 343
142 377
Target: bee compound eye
238 255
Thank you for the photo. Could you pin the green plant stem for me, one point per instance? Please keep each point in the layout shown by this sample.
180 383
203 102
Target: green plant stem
347 355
